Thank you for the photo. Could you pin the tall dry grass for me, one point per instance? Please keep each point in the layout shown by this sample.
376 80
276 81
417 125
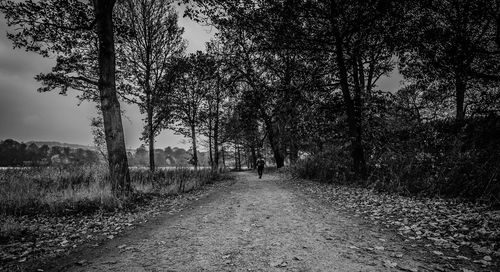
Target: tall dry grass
85 189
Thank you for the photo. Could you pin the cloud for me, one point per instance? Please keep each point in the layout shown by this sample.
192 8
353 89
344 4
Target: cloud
18 61
28 115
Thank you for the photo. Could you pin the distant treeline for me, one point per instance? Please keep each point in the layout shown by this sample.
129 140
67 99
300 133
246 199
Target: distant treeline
13 153
170 156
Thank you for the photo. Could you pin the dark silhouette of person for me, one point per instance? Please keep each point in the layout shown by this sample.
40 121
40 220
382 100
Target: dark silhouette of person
260 166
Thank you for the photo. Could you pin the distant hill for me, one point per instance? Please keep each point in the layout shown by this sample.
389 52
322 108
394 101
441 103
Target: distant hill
51 144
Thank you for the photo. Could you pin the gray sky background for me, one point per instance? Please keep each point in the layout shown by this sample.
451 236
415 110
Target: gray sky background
27 115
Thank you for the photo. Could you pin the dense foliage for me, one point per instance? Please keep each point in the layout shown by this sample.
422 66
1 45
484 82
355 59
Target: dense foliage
306 78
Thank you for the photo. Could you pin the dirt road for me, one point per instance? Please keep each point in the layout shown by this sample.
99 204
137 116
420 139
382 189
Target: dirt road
256 225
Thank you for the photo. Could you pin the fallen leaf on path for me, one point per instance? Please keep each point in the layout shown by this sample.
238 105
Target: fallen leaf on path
447 224
409 269
279 263
398 255
81 262
390 264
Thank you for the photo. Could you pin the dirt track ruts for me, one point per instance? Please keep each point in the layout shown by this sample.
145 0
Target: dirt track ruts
255 225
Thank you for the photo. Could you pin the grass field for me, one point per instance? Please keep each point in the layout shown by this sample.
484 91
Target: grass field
63 190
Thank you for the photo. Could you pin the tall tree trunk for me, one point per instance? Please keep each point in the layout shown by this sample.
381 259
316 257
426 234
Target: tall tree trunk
248 156
294 151
151 139
113 129
274 140
460 89
235 158
216 127
210 129
195 151
254 158
289 116
357 152
223 156
216 133
216 144
239 157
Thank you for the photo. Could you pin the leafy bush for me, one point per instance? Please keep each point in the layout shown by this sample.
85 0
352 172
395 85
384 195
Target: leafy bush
432 159
327 166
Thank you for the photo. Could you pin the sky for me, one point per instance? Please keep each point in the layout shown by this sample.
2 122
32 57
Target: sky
26 115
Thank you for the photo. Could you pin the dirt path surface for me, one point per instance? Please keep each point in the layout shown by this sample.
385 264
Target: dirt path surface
256 225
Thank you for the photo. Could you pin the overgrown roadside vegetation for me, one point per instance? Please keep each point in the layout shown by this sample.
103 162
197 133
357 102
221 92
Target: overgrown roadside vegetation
456 231
47 211
436 159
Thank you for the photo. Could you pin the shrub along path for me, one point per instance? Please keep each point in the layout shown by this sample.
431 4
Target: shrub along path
267 225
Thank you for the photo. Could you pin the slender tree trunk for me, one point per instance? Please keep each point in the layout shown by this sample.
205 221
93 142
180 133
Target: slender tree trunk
195 151
223 155
248 158
254 158
357 152
110 106
216 143
151 140
290 116
279 158
210 130
358 76
210 151
460 89
235 158
216 130
239 157
294 151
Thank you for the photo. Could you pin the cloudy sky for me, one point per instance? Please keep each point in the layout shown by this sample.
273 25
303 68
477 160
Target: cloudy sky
27 115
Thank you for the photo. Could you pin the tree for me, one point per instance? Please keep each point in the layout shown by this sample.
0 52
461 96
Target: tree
149 52
350 35
449 48
189 95
141 155
81 35
218 94
33 153
269 72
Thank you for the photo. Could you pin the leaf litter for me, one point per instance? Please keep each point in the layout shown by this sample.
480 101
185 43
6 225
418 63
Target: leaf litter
45 236
451 229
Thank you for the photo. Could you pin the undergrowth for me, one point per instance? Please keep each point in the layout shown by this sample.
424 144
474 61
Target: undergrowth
85 189
431 160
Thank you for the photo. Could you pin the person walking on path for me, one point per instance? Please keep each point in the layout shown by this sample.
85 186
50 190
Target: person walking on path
260 166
